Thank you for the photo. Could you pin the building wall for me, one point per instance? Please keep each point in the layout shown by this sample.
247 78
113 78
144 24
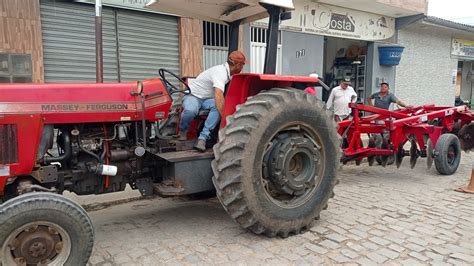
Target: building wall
420 6
190 46
20 32
424 75
302 53
377 73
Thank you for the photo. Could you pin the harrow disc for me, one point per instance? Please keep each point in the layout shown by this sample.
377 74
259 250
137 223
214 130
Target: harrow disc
429 154
399 155
413 154
371 159
384 158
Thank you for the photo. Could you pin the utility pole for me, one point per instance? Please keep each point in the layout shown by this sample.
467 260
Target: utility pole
99 56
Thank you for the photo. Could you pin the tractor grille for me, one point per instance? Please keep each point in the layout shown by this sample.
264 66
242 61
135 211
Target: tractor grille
8 144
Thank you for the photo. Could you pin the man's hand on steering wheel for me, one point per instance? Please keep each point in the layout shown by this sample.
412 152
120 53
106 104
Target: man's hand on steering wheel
169 86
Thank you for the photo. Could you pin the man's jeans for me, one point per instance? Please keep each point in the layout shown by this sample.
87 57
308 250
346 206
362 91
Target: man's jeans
192 105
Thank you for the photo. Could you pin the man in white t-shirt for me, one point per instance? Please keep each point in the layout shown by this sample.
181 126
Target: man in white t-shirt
207 93
340 98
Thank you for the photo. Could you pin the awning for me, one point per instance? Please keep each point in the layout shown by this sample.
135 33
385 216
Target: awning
219 11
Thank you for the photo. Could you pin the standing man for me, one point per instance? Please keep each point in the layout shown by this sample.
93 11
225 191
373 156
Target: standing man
207 92
466 137
384 98
340 98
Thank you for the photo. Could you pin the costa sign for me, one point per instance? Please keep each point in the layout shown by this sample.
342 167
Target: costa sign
322 19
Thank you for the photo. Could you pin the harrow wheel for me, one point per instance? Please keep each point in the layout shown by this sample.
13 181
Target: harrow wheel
447 154
276 162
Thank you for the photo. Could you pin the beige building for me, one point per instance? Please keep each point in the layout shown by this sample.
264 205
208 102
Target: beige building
53 41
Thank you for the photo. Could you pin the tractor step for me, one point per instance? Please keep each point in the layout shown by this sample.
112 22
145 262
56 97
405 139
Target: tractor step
188 172
189 155
168 188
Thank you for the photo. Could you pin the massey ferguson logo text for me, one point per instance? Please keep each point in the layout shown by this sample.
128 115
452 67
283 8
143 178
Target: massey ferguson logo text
82 107
341 22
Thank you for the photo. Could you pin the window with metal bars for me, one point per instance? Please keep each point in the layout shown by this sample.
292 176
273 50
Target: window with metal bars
15 68
259 35
215 34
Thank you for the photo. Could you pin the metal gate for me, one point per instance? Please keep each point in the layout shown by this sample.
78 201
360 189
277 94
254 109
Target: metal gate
257 50
68 31
146 43
215 43
135 44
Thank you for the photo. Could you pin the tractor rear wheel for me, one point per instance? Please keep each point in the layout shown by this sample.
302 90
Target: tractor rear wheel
447 154
44 229
276 162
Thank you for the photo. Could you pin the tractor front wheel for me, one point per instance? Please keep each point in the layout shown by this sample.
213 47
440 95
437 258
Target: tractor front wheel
44 229
276 161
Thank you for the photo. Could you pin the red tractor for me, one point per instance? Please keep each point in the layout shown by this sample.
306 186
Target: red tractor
273 165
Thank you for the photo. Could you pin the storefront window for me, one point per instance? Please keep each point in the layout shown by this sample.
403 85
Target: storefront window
15 68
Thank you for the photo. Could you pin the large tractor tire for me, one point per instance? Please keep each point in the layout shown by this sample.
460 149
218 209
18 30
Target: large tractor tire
447 154
276 162
44 229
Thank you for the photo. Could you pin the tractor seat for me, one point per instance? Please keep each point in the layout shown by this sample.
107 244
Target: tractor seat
204 112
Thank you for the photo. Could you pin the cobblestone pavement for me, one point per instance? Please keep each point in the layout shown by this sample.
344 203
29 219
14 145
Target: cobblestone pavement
379 216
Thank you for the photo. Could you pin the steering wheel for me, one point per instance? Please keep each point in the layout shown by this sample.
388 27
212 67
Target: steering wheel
170 87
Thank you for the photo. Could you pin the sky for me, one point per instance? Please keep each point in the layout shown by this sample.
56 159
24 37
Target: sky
461 11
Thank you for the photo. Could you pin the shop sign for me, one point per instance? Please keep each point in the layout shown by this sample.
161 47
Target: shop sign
462 48
322 19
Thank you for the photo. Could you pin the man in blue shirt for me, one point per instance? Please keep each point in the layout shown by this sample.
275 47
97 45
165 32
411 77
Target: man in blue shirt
384 98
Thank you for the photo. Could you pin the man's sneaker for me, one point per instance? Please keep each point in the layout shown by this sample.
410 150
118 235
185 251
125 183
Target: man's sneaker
183 135
200 145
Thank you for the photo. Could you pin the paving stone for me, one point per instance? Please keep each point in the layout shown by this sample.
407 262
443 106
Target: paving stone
463 257
336 238
359 233
434 256
396 248
418 256
316 248
165 255
388 253
414 247
377 233
377 257
370 245
349 253
366 262
329 244
379 241
193 258
410 262
337 229
338 258
355 247
292 256
417 241
440 263
299 250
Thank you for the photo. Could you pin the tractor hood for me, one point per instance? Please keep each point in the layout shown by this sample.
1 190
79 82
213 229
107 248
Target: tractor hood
219 11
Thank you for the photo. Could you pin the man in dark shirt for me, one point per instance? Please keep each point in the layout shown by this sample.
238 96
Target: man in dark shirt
384 98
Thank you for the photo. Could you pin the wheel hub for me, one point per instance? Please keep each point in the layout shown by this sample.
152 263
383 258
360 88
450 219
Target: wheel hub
293 164
37 244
